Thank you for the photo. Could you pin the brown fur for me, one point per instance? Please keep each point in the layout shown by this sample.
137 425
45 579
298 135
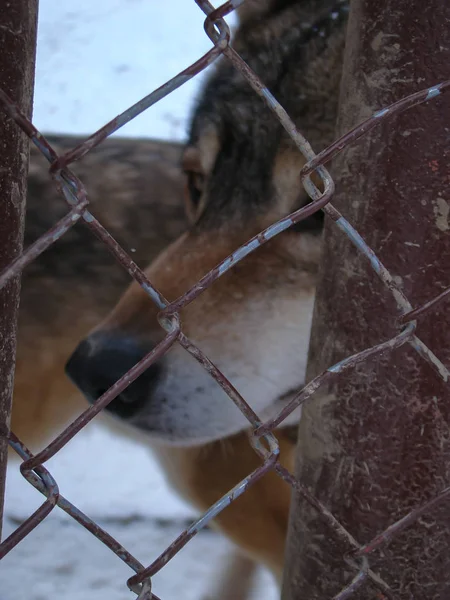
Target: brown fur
257 520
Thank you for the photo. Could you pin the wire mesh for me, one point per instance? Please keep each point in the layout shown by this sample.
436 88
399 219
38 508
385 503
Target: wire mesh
32 467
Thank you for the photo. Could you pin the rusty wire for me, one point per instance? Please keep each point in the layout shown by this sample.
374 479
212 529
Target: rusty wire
76 196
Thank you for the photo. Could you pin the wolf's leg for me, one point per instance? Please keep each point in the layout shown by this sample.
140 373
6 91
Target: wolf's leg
235 580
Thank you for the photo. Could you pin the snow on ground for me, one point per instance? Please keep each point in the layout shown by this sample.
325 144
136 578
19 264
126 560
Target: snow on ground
61 560
105 476
118 484
94 60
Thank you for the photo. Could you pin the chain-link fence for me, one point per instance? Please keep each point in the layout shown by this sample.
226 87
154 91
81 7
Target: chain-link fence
262 438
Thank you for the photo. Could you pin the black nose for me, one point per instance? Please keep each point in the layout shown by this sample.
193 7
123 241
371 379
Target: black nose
101 359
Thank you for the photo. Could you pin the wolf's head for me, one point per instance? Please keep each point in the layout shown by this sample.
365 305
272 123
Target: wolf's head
242 174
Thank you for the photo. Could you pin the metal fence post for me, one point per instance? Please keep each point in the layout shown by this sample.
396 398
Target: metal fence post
375 443
17 58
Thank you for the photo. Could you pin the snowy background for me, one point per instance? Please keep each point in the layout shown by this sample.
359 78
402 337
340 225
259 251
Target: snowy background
94 60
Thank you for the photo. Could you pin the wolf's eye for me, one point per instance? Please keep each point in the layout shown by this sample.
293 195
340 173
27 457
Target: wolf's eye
195 183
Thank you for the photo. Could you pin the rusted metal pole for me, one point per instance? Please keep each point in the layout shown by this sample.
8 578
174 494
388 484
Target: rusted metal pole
17 59
376 443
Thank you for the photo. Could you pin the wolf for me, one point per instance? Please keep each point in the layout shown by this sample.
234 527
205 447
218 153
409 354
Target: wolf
241 174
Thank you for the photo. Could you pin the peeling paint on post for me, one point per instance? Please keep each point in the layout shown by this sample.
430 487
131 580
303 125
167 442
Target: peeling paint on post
17 57
376 443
